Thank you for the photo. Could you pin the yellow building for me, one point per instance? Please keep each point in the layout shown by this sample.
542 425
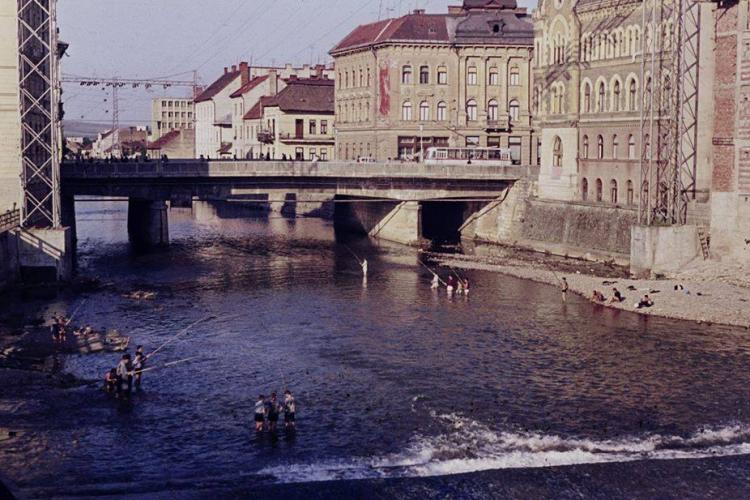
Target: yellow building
298 121
459 79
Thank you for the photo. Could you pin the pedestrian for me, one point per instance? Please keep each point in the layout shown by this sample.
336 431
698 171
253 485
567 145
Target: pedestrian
124 377
138 366
272 412
290 409
364 267
260 413
564 287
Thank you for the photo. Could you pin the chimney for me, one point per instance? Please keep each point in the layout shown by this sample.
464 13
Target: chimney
234 68
226 70
273 79
419 12
244 72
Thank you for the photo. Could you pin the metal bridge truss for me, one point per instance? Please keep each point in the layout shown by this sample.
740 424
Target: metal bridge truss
669 110
39 106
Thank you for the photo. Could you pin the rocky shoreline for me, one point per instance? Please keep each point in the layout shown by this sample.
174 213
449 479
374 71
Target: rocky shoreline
703 298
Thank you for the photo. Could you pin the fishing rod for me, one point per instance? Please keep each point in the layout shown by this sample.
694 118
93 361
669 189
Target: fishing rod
433 272
70 320
178 335
166 365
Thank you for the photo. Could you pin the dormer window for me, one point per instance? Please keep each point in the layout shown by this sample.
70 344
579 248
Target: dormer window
496 28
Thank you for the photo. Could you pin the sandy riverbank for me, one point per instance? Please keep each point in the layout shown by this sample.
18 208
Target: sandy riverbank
717 294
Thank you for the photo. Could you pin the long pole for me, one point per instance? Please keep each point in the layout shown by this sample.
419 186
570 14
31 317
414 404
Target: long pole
70 320
178 335
166 365
433 272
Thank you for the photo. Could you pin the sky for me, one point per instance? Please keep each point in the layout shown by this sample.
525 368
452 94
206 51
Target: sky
173 38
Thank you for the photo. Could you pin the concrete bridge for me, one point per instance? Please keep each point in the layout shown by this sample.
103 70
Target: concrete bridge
402 202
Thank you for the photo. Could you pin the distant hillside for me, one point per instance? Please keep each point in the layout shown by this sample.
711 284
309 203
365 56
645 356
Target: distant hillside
81 128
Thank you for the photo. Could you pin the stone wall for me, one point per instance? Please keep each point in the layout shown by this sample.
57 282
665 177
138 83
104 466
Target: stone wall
595 232
9 268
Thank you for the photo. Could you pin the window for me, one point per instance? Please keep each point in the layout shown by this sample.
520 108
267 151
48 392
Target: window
631 147
539 151
513 110
471 110
442 111
647 146
492 110
632 92
299 154
323 127
584 189
442 75
599 188
406 111
616 97
424 111
346 76
368 84
424 75
514 143
631 194
602 107
361 78
585 149
471 77
324 154
313 127
313 153
600 147
515 76
613 192
494 78
406 75
557 153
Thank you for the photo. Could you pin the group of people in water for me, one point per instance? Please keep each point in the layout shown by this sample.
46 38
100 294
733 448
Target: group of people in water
454 285
268 410
128 374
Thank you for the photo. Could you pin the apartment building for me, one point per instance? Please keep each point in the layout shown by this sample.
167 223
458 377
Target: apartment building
171 113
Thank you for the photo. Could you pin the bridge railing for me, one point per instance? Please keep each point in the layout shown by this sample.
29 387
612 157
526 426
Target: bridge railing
10 220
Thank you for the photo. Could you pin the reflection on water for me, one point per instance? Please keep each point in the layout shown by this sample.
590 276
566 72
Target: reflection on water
391 378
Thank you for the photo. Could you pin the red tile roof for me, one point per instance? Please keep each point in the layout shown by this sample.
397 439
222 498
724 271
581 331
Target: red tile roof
412 27
249 86
217 86
164 140
256 112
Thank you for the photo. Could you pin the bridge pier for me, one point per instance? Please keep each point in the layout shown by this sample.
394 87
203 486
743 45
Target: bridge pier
399 222
148 223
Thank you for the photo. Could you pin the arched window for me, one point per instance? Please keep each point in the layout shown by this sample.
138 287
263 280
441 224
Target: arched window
557 153
647 146
513 110
346 77
584 189
613 192
471 110
599 188
553 97
587 98
442 111
631 194
424 111
633 96
585 149
361 78
424 75
615 146
492 110
515 76
406 75
471 75
493 78
406 111
602 104
600 147
631 147
616 96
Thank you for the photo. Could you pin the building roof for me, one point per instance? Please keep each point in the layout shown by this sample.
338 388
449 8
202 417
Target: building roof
477 21
305 95
164 140
256 112
216 87
249 86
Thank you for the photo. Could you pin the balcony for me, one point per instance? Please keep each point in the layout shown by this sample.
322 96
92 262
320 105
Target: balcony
499 124
266 137
288 138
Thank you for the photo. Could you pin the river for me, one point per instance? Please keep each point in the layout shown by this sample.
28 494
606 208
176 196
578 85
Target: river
392 379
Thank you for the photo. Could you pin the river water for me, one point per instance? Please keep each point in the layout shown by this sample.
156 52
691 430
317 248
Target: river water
392 379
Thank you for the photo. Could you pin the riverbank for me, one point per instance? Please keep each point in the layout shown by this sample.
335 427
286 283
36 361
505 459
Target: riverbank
706 292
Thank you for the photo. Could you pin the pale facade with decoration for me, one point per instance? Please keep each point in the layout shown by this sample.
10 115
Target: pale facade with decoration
460 79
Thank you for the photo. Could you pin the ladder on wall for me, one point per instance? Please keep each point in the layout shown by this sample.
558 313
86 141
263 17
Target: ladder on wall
705 240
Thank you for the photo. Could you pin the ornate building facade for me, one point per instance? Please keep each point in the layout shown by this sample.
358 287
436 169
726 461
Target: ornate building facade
457 79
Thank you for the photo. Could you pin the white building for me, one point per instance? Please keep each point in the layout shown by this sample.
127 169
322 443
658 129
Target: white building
171 113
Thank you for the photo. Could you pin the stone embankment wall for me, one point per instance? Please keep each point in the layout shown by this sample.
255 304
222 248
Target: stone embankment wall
562 228
9 263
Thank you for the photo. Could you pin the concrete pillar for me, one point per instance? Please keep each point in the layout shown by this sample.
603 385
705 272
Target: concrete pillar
45 254
659 250
148 223
402 225
68 216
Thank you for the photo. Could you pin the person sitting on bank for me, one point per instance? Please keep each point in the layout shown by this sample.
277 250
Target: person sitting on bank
645 302
616 296
598 296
